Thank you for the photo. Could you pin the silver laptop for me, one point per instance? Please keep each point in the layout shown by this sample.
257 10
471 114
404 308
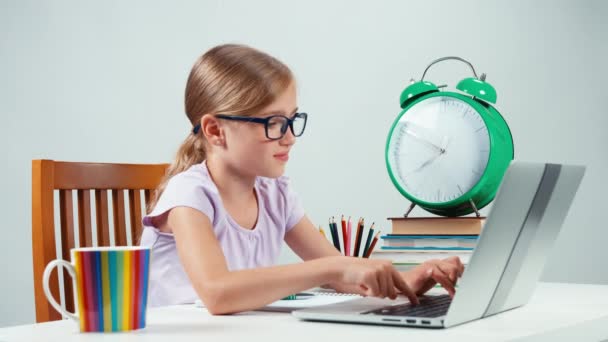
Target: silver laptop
503 271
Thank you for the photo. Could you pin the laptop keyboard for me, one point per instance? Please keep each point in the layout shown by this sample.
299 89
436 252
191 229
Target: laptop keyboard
430 306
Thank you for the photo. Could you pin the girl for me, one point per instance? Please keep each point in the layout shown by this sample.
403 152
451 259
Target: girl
222 212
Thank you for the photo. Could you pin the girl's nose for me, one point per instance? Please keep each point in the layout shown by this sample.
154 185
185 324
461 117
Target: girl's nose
288 138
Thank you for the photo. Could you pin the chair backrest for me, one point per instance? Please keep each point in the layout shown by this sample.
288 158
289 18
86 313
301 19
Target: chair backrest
107 201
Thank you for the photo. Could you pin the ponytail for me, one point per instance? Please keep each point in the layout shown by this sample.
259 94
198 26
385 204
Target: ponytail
191 152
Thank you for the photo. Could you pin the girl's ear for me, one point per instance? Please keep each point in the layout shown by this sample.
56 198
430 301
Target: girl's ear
212 129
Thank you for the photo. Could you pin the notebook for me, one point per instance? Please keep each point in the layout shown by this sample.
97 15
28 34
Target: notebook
319 298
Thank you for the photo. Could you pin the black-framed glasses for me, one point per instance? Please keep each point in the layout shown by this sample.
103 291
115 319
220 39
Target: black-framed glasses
275 126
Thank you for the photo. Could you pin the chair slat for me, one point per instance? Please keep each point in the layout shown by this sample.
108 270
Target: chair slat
66 215
118 206
43 236
85 233
107 176
101 208
135 212
147 195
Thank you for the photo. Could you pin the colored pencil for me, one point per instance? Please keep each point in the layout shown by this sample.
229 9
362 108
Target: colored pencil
344 236
331 232
321 231
370 233
337 234
348 236
358 237
371 248
334 234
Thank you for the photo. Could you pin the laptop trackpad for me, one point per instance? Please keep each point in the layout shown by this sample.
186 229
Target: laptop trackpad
358 305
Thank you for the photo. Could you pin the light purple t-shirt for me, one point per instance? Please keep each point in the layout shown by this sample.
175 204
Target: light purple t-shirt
279 211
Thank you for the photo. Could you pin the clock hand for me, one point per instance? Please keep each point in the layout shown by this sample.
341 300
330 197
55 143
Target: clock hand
432 159
425 141
425 164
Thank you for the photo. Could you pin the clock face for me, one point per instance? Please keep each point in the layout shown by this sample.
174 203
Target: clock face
439 149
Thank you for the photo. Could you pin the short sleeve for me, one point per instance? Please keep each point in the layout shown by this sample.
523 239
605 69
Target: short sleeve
183 191
294 211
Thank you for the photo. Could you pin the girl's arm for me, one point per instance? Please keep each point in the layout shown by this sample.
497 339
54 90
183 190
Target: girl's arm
225 291
306 241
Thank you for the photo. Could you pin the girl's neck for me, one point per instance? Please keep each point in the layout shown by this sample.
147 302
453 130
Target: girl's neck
232 185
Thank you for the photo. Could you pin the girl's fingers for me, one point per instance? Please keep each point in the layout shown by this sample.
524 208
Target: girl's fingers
450 270
443 279
372 286
402 286
456 261
382 286
390 286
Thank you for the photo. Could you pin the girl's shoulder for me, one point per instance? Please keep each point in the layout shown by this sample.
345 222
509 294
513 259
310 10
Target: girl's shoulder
190 188
195 178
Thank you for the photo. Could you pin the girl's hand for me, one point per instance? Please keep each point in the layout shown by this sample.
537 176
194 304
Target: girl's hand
445 272
377 278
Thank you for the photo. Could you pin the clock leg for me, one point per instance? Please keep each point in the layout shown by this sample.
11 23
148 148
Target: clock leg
409 210
474 207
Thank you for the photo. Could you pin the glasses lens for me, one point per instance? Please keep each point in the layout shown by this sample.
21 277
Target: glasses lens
299 123
276 127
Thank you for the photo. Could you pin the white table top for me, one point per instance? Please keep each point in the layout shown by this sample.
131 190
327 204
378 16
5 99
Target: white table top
555 312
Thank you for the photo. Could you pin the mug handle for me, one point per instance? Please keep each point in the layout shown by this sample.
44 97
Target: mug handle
47 290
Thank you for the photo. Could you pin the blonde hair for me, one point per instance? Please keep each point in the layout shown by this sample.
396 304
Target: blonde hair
227 79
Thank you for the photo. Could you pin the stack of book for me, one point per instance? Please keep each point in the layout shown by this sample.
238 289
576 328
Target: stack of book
414 240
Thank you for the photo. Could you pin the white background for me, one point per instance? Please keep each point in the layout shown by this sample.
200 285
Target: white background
104 81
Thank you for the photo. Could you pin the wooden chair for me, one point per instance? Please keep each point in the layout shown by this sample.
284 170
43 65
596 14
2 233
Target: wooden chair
79 182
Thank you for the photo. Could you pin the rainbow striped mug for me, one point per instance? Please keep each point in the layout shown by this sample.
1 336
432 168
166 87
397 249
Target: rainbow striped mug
111 287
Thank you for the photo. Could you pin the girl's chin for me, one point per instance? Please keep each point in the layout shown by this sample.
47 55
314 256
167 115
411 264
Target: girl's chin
275 172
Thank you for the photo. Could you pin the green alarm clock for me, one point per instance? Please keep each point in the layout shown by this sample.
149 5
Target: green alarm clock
448 151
